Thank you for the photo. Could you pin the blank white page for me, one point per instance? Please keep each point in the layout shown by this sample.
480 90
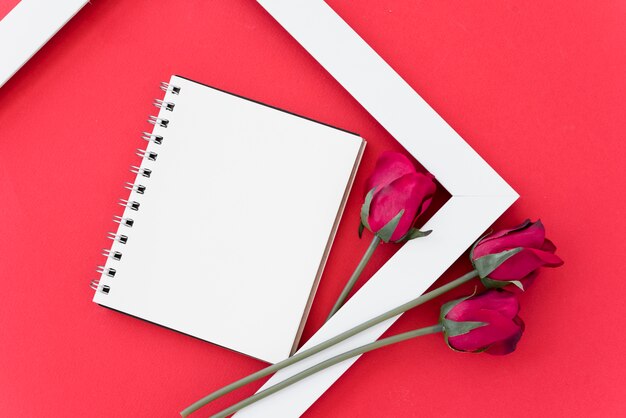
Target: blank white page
235 222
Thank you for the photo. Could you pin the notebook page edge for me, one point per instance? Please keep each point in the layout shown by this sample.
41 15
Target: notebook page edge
331 240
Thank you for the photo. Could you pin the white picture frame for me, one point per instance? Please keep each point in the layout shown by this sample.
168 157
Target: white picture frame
479 194
27 27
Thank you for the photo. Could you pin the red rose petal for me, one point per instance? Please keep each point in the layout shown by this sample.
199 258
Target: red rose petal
389 167
532 236
503 302
499 329
409 193
523 263
548 246
507 345
502 232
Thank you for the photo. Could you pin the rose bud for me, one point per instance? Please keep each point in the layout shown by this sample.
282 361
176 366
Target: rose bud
487 322
397 194
513 256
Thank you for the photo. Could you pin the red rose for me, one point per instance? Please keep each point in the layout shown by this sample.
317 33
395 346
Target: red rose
396 195
514 255
487 322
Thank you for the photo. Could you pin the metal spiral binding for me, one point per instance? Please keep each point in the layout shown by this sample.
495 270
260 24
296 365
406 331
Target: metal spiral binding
108 271
163 105
162 122
130 204
115 255
135 187
157 139
121 238
95 285
150 155
168 87
143 171
123 221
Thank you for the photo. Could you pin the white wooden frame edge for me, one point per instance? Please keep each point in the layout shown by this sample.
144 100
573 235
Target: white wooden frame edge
27 27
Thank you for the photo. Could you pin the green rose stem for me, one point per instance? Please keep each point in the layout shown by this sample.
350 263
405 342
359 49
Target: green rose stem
355 276
330 342
327 363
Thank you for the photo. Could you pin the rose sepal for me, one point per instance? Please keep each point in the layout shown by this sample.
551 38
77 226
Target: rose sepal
412 234
497 284
365 211
447 307
453 328
485 265
386 232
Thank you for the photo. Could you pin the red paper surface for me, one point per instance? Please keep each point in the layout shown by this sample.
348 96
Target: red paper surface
536 88
6 6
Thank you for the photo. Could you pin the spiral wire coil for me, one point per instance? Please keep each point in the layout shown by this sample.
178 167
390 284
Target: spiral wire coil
136 187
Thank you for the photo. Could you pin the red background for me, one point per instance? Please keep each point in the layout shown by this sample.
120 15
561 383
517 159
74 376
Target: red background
536 88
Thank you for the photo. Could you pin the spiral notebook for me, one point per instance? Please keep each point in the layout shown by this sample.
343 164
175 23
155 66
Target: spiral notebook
229 220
